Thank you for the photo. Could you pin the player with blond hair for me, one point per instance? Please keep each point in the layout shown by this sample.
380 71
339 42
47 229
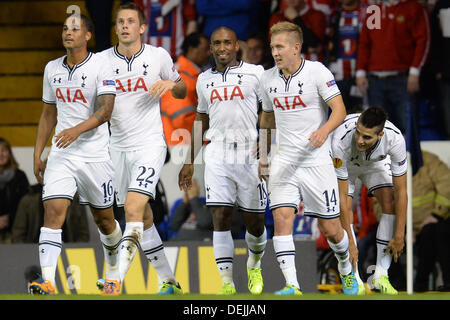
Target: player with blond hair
296 96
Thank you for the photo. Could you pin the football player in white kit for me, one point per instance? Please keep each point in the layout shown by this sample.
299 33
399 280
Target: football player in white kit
371 148
143 73
294 92
228 101
78 94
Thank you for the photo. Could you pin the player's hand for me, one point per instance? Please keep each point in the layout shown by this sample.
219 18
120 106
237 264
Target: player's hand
66 137
395 247
362 84
185 177
263 171
318 137
413 83
39 169
160 87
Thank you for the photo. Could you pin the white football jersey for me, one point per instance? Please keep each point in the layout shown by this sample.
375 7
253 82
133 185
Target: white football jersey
74 92
231 100
298 103
392 144
136 119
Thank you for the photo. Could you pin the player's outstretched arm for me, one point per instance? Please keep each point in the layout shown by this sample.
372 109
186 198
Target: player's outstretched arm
337 116
187 171
396 245
46 124
104 108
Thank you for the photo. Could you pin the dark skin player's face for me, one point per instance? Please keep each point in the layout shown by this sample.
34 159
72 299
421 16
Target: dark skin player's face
75 34
224 47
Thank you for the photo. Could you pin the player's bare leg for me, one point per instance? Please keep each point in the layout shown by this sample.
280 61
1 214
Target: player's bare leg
256 239
110 237
385 233
50 244
283 244
55 213
338 240
153 249
223 246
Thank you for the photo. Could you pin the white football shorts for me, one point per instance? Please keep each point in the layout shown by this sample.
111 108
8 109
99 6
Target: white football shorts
137 171
228 184
316 186
93 180
374 176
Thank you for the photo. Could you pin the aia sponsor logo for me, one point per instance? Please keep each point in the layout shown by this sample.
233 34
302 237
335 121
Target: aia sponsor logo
70 95
224 94
288 103
129 86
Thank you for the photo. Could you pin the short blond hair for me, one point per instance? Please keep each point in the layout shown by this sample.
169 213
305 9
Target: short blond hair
286 26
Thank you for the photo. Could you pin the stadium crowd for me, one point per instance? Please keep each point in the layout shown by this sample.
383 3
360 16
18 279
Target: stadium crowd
351 37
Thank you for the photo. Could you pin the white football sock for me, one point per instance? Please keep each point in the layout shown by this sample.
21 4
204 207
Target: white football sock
223 252
129 246
340 250
110 244
385 232
285 251
50 244
256 246
154 251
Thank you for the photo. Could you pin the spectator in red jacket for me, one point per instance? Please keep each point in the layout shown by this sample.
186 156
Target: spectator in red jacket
391 54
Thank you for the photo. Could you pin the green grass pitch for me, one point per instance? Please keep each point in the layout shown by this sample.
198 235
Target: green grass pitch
262 297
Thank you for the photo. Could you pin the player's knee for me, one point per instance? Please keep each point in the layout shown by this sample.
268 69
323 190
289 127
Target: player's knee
222 218
104 221
332 235
385 196
55 214
388 207
255 225
331 229
283 223
283 217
